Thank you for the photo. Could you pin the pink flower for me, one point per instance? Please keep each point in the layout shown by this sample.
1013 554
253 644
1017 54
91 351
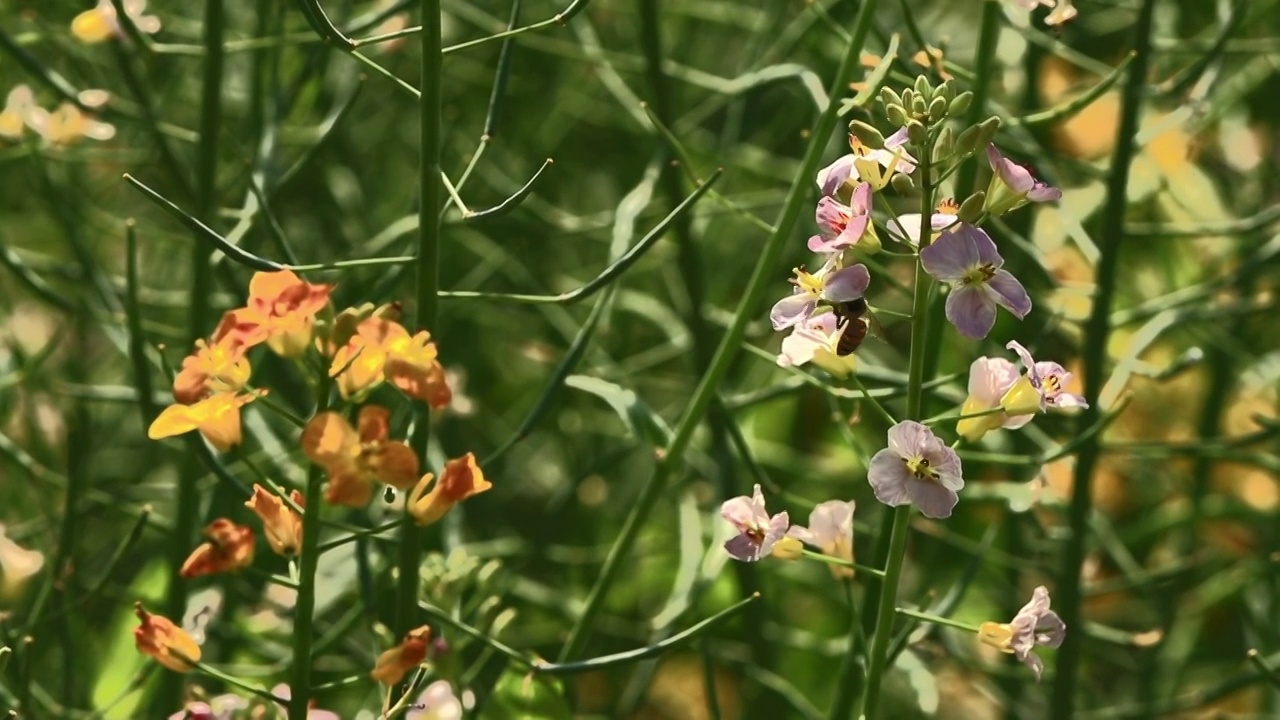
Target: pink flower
967 259
437 702
757 531
989 380
817 341
906 228
829 283
1035 624
843 226
1013 185
917 469
875 167
1042 385
831 531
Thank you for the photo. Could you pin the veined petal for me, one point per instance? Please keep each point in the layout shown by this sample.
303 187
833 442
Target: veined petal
1007 292
792 310
888 477
971 310
846 284
931 498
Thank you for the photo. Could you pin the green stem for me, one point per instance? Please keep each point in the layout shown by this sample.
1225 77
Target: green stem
1068 596
878 657
842 563
936 620
729 346
308 561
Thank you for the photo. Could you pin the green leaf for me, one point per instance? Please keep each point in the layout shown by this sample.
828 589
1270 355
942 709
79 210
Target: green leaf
640 419
521 696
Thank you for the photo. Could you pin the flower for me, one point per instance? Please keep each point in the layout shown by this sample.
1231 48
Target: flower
220 367
461 479
355 458
875 167
281 311
1035 624
17 564
843 226
437 702
222 707
393 664
382 349
166 643
68 124
1062 13
281 525
817 340
20 112
829 284
283 694
217 417
230 548
916 468
757 531
831 531
101 23
1013 185
1042 387
989 379
906 228
967 259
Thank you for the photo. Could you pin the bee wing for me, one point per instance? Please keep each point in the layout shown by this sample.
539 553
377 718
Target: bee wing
873 324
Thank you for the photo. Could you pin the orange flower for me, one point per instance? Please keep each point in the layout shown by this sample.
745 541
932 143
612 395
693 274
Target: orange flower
461 479
230 548
216 368
167 643
382 349
354 459
393 664
217 417
282 310
281 525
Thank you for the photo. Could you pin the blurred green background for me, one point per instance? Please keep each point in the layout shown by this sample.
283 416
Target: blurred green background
1180 577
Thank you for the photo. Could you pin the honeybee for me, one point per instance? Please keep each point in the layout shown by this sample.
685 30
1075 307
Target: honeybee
856 319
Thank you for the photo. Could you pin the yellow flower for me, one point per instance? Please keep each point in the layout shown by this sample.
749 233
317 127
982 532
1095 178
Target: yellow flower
101 23
68 125
20 112
461 479
355 458
280 524
220 367
165 642
230 548
217 417
382 350
17 564
281 311
393 664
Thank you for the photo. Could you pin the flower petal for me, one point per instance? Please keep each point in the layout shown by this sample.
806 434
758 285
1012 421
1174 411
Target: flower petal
1006 291
949 257
833 176
971 310
888 477
932 499
791 310
846 284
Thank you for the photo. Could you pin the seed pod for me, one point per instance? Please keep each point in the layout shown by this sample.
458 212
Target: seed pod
960 104
967 142
971 208
937 110
867 134
922 87
897 115
903 184
916 133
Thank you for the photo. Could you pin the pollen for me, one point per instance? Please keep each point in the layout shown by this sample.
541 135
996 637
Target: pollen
919 467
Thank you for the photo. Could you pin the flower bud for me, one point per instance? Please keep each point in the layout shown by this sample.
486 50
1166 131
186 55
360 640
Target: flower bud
967 142
922 87
919 108
788 548
945 146
869 136
917 133
889 96
907 95
937 109
897 115
971 208
903 184
988 130
163 641
960 104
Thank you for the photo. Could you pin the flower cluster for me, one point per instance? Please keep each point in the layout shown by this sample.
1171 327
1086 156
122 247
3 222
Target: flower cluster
66 124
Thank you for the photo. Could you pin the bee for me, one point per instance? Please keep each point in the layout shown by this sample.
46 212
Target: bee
856 319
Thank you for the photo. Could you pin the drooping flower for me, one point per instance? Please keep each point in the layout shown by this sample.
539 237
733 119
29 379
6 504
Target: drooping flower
383 350
757 531
436 702
281 525
20 112
157 637
17 565
281 311
461 479
906 228
354 459
989 379
101 23
874 167
1013 185
831 531
68 124
217 417
841 227
829 284
230 548
1035 624
918 469
217 367
967 259
394 664
1041 388
817 341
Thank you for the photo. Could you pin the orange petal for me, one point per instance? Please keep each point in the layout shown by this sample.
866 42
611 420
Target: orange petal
395 663
396 464
329 440
463 478
157 637
173 420
373 423
349 488
280 524
220 423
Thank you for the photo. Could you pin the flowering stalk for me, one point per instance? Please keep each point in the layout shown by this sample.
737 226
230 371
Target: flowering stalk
308 560
878 657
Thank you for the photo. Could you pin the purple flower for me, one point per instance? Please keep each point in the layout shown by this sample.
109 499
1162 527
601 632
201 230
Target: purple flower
831 531
757 532
875 167
1035 624
967 259
829 284
918 469
1047 380
989 380
842 226
817 341
1013 185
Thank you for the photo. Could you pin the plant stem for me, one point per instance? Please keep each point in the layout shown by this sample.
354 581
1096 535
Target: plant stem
936 620
308 561
1068 596
729 344
427 283
878 658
